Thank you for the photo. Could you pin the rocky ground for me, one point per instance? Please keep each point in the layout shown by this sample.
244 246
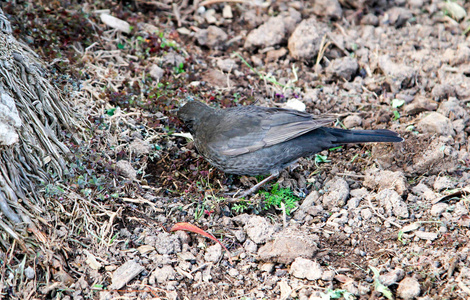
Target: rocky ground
375 221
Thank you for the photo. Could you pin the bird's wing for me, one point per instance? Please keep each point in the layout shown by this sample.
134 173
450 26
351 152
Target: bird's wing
263 128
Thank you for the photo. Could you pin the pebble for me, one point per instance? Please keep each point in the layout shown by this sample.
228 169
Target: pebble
258 229
29 272
438 208
212 37
305 268
213 253
393 203
442 183
435 123
328 8
337 191
342 68
425 235
408 288
305 41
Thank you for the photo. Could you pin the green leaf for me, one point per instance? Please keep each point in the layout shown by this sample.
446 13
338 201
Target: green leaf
379 287
335 148
321 158
110 112
396 115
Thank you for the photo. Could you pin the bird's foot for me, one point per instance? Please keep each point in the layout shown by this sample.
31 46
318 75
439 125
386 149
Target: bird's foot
256 187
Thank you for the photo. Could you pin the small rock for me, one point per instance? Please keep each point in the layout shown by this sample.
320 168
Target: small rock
274 31
453 110
336 192
436 158
359 193
156 72
295 104
267 267
443 91
351 287
425 235
287 246
162 275
166 243
393 203
328 275
240 235
275 55
315 210
442 183
233 272
366 214
398 16
227 12
418 105
354 202
213 253
328 8
384 179
370 19
212 37
125 169
305 268
258 229
352 121
285 289
252 18
250 246
209 15
124 274
215 78
139 147
410 227
342 68
424 191
173 59
115 23
29 272
338 218
227 65
392 277
408 288
304 43
310 200
416 3
438 208
399 75
461 208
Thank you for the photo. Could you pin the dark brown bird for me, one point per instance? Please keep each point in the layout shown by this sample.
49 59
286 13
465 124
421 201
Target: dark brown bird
254 140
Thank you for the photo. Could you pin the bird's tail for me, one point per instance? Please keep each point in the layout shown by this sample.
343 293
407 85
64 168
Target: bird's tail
344 136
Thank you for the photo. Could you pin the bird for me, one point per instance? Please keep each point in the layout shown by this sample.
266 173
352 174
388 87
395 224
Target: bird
254 140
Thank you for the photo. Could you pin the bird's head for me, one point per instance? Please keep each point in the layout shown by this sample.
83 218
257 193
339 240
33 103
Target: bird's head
192 112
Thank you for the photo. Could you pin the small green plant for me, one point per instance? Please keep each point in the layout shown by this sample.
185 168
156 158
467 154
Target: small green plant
321 159
240 207
379 286
277 196
179 68
337 294
397 103
400 237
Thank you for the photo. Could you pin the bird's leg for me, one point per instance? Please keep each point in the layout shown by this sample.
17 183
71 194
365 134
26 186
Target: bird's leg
256 187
